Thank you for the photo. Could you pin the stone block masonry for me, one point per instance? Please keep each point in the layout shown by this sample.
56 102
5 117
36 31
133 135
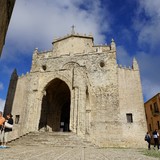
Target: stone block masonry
79 87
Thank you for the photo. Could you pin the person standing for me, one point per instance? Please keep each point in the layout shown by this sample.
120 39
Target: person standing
148 139
155 136
7 128
2 120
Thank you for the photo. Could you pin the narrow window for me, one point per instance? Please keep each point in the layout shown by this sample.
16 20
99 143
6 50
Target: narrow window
156 110
129 118
151 108
17 119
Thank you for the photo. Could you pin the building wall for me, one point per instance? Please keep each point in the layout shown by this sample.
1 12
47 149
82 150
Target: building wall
20 108
6 8
131 102
73 45
101 93
152 110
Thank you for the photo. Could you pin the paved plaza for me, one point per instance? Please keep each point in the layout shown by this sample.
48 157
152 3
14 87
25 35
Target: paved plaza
64 146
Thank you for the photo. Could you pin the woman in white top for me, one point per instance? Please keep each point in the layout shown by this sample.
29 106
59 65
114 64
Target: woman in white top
155 137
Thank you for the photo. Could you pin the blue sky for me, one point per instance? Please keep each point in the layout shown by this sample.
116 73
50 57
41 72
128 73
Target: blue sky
133 24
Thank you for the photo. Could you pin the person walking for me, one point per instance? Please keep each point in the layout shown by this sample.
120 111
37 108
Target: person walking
155 137
148 139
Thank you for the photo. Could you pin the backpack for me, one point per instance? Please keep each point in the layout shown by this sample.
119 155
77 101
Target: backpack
146 137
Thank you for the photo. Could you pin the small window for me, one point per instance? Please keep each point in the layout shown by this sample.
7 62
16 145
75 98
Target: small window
129 118
44 67
102 64
17 119
156 110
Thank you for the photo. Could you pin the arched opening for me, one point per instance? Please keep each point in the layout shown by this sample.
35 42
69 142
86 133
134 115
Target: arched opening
55 110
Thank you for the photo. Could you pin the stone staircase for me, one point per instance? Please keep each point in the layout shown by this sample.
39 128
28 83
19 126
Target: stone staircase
63 146
65 139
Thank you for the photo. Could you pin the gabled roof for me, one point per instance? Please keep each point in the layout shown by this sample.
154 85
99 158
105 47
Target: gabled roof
73 35
152 98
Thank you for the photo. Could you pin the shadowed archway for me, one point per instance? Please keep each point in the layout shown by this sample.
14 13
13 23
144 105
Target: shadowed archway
55 110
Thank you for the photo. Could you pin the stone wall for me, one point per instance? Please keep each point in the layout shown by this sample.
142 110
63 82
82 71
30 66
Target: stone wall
19 108
101 93
72 45
131 102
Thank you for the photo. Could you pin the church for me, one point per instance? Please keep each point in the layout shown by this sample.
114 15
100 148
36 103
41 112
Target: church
78 87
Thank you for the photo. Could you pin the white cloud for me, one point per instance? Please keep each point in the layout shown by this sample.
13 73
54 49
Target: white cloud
152 8
2 103
1 85
149 65
147 23
35 25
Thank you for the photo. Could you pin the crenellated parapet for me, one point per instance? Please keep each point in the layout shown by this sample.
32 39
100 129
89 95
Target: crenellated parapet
135 66
105 47
113 45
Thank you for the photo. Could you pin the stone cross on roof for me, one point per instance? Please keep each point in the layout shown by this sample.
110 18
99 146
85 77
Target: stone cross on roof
73 31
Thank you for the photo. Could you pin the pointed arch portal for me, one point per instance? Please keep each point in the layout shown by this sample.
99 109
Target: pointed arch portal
55 109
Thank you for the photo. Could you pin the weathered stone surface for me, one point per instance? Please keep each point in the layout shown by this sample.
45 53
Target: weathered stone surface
79 86
65 146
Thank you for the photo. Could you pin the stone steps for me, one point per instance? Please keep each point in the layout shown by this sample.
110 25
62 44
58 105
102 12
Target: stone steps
64 146
52 139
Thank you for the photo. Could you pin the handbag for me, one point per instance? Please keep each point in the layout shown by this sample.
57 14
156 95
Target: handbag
7 125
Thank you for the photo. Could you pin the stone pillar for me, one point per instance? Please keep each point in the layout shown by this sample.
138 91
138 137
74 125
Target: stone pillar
82 111
72 105
88 112
75 111
40 107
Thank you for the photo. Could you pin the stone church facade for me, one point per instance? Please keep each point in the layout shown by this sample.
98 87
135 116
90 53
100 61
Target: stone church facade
79 87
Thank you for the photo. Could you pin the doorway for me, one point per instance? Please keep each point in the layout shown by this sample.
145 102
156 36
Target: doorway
55 109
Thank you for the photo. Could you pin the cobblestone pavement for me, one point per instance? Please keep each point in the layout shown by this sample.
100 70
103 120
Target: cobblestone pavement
64 146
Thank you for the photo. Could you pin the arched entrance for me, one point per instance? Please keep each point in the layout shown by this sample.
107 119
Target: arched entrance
55 110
